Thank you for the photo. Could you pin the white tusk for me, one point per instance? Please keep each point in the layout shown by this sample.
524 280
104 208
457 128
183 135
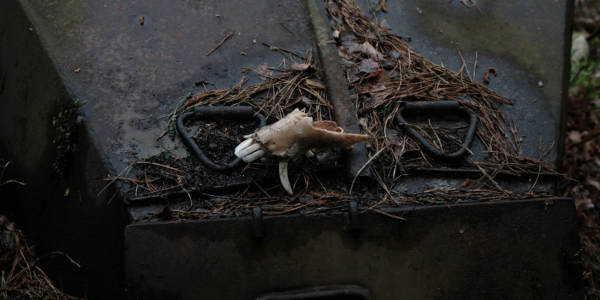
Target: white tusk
248 136
254 156
243 145
248 150
283 176
309 154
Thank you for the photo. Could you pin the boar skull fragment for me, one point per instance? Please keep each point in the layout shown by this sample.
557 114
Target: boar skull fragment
291 137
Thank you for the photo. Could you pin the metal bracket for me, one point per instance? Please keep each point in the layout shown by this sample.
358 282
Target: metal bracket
354 216
258 230
238 113
439 108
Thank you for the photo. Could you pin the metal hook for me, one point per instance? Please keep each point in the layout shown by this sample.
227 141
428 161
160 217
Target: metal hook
238 113
438 108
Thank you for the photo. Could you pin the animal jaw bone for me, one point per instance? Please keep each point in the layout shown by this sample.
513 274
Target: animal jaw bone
292 136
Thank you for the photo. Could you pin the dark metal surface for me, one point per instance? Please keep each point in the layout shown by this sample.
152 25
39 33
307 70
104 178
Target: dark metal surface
258 230
343 292
528 42
337 87
511 250
129 76
438 108
353 216
238 113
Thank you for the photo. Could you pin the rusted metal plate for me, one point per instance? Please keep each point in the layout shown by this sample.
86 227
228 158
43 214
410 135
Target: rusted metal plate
513 250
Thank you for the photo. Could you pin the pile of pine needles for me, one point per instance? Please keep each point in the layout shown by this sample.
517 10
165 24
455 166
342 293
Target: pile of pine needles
384 72
22 278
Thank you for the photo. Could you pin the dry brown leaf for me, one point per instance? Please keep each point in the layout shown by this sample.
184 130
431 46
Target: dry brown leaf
368 66
593 183
384 24
142 20
574 136
263 72
305 101
315 84
300 67
368 49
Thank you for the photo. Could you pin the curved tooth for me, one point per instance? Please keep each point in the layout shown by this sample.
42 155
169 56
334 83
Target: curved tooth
283 176
243 145
254 156
248 150
309 154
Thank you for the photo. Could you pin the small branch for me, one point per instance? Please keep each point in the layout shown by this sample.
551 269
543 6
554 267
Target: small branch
58 252
363 167
155 164
219 45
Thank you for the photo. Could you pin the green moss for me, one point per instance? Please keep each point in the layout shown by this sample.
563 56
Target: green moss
65 124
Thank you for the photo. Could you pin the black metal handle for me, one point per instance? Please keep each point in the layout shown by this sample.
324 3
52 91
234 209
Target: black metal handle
438 108
238 113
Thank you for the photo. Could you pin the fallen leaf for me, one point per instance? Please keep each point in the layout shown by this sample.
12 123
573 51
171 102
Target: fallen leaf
305 101
315 84
475 4
384 24
594 183
77 71
368 49
344 53
254 40
264 72
391 136
243 53
383 7
142 20
368 66
574 136
299 67
372 75
218 16
398 151
583 204
67 192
